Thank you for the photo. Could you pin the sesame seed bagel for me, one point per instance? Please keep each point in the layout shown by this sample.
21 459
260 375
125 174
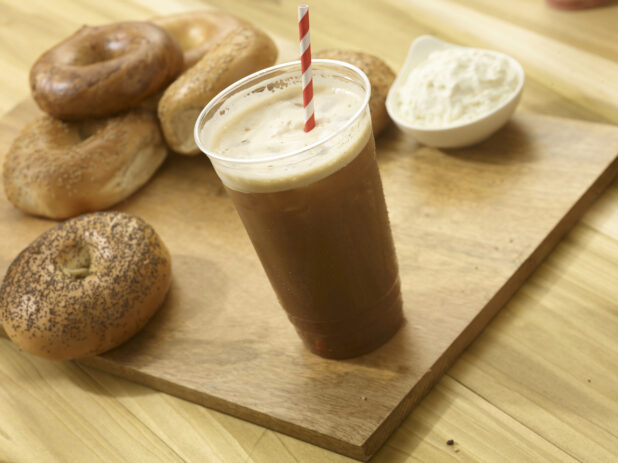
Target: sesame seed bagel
85 286
62 169
99 71
198 31
380 76
242 52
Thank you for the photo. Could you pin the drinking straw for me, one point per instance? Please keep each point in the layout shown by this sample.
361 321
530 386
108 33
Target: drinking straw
305 64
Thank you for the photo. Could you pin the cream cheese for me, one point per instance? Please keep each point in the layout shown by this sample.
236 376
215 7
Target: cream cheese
456 85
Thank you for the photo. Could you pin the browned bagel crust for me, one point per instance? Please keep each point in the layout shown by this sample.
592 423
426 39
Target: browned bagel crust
380 76
198 31
243 51
61 169
102 70
49 313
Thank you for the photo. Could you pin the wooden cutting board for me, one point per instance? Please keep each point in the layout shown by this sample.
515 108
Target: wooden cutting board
470 225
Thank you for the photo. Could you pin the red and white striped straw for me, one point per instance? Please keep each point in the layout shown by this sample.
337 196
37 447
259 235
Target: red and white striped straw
305 63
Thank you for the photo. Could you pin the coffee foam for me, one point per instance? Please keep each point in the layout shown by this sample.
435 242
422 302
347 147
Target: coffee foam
268 120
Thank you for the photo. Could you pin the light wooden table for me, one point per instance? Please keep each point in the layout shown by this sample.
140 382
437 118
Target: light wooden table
539 384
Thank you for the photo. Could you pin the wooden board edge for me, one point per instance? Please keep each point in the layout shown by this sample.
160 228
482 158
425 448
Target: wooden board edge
491 309
230 408
375 441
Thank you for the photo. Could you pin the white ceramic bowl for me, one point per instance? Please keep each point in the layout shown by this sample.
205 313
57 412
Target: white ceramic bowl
456 135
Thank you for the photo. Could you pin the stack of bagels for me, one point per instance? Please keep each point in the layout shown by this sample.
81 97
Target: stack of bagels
92 282
109 92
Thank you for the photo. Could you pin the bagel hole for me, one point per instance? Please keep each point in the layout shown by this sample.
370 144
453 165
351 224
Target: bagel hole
75 261
190 36
93 52
194 37
87 129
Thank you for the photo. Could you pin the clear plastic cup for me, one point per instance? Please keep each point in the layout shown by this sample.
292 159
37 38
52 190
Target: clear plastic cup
316 216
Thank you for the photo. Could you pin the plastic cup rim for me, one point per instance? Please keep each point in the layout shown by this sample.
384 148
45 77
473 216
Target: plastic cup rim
225 93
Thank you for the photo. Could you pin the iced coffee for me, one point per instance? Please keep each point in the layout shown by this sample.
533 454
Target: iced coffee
312 203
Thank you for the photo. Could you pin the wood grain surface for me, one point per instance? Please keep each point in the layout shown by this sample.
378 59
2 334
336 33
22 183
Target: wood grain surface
469 225
538 385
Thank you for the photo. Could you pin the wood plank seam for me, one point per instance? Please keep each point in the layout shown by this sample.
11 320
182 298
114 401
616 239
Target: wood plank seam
102 386
286 447
522 424
249 457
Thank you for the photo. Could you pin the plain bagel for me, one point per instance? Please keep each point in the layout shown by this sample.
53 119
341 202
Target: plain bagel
198 31
102 70
61 169
242 52
380 76
85 286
